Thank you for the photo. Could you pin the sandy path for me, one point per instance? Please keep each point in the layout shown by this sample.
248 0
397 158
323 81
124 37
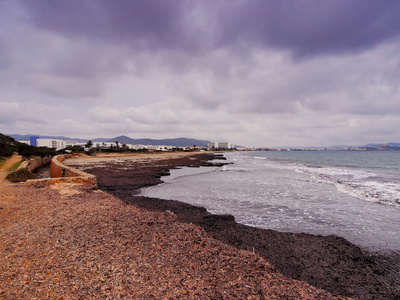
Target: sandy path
6 192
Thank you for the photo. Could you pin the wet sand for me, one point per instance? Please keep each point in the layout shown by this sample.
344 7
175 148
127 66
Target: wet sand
328 262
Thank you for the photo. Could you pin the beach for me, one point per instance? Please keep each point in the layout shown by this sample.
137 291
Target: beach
329 262
77 242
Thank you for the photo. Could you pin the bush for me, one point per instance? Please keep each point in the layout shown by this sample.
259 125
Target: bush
29 151
7 145
21 175
75 148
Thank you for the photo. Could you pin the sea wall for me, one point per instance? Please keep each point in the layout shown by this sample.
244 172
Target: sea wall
61 173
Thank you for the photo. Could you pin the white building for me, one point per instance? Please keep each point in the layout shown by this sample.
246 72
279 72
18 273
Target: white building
152 147
213 145
50 143
225 145
220 145
105 145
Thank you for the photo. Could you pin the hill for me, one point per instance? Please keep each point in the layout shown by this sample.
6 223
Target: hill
179 142
26 137
393 145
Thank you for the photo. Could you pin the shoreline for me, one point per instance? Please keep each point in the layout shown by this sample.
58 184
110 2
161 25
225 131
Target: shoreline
328 262
74 242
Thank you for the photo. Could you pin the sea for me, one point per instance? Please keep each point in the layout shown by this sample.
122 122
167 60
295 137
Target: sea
352 194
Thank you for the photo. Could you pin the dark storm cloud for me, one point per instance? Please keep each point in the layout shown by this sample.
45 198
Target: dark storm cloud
143 24
305 28
312 27
5 57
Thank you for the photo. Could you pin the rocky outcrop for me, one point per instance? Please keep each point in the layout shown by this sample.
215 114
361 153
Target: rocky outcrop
35 163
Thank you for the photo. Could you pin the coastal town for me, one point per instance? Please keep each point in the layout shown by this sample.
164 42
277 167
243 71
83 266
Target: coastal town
59 144
120 143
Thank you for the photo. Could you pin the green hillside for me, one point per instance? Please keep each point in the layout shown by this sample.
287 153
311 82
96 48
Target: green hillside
7 145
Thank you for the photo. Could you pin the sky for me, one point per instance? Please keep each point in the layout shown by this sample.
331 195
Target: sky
256 73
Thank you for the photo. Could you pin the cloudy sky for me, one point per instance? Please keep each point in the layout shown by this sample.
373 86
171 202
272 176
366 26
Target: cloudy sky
254 73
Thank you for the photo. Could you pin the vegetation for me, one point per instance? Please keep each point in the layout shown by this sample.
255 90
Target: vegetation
89 144
29 151
20 175
2 162
9 146
75 148
15 166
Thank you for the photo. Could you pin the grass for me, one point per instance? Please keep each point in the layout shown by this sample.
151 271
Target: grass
2 161
15 166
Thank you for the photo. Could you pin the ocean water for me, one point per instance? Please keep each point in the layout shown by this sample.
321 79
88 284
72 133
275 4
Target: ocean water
355 195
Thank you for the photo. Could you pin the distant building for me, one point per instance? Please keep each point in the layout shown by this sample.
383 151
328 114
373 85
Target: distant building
213 145
73 143
33 140
220 145
152 147
225 145
105 145
50 143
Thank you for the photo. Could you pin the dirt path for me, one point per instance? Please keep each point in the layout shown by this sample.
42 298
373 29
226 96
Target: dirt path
6 193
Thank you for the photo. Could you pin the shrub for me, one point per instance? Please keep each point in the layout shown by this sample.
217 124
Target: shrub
20 175
7 145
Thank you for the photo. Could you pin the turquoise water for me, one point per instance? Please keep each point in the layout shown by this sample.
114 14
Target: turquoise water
355 195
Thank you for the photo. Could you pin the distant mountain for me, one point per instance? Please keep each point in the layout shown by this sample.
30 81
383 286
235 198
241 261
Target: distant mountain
122 139
394 145
100 140
26 137
179 142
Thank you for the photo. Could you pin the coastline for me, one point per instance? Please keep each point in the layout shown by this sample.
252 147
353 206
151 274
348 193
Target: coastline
73 241
328 262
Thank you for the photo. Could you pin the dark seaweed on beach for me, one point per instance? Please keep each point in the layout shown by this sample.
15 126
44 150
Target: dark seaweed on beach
328 262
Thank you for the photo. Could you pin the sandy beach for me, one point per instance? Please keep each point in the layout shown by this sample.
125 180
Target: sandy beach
73 242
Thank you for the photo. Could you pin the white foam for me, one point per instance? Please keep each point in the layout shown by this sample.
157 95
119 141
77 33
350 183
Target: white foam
292 197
